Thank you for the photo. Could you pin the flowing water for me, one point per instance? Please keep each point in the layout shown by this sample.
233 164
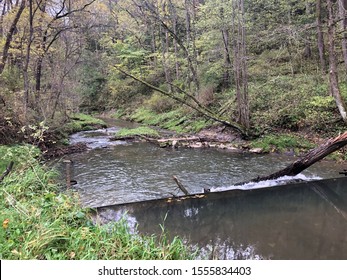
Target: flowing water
300 223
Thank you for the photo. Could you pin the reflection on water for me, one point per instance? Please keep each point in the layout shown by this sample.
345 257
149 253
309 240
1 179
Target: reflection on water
276 223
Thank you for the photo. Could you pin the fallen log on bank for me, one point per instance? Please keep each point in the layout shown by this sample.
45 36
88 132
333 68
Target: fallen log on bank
307 160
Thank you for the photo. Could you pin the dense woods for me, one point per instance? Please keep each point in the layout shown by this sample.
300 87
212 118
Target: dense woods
270 71
255 66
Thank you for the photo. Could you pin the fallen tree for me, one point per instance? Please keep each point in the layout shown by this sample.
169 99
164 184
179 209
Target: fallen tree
192 102
307 160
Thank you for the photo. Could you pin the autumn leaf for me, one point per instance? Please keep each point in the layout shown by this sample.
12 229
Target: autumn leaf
5 223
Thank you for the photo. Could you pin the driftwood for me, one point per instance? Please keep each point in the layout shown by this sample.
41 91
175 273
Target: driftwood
307 160
180 185
7 171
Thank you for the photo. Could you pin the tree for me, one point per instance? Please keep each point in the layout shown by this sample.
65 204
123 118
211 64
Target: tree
240 63
20 8
320 37
343 22
333 74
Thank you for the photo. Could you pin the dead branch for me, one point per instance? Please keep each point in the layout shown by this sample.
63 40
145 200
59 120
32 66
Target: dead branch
7 171
180 185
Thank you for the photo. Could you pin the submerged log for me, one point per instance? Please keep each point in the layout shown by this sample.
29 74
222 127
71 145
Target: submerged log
307 160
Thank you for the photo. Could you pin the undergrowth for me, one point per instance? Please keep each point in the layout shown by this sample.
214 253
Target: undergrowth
40 221
282 143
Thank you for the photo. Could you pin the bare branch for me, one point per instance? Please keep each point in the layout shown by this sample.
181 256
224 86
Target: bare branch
7 171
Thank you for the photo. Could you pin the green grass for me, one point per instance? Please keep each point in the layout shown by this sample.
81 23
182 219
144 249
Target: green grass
177 120
281 143
41 222
81 122
139 131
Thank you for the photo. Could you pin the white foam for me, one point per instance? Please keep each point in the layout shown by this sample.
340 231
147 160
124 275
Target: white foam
268 183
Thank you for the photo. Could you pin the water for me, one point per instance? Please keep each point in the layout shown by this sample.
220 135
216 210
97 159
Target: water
273 223
306 221
114 172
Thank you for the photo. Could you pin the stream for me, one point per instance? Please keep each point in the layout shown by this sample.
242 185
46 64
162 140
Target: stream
298 223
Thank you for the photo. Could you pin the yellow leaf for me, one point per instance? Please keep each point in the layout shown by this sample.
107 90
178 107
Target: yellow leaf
5 223
72 255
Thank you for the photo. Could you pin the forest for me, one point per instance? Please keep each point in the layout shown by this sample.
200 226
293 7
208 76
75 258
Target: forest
272 73
258 67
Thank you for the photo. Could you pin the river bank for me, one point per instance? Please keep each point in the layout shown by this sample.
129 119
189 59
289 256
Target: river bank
213 135
43 220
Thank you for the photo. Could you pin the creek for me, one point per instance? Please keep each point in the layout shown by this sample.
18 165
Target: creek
298 223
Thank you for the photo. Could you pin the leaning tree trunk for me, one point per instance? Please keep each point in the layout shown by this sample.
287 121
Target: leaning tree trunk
307 160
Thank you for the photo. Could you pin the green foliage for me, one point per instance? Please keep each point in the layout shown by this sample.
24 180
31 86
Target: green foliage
39 222
281 143
139 131
159 103
18 154
11 78
322 102
292 102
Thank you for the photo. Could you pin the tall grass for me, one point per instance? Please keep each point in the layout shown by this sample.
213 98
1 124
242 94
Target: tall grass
39 221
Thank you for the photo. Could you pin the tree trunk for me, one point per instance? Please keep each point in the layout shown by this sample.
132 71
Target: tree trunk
320 37
190 45
343 21
38 73
227 59
173 13
307 160
240 63
164 38
333 76
9 36
27 59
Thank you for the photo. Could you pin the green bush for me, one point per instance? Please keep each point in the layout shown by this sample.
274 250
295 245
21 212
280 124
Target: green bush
159 103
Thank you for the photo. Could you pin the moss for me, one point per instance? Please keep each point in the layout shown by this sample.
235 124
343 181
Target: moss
139 131
281 143
81 122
